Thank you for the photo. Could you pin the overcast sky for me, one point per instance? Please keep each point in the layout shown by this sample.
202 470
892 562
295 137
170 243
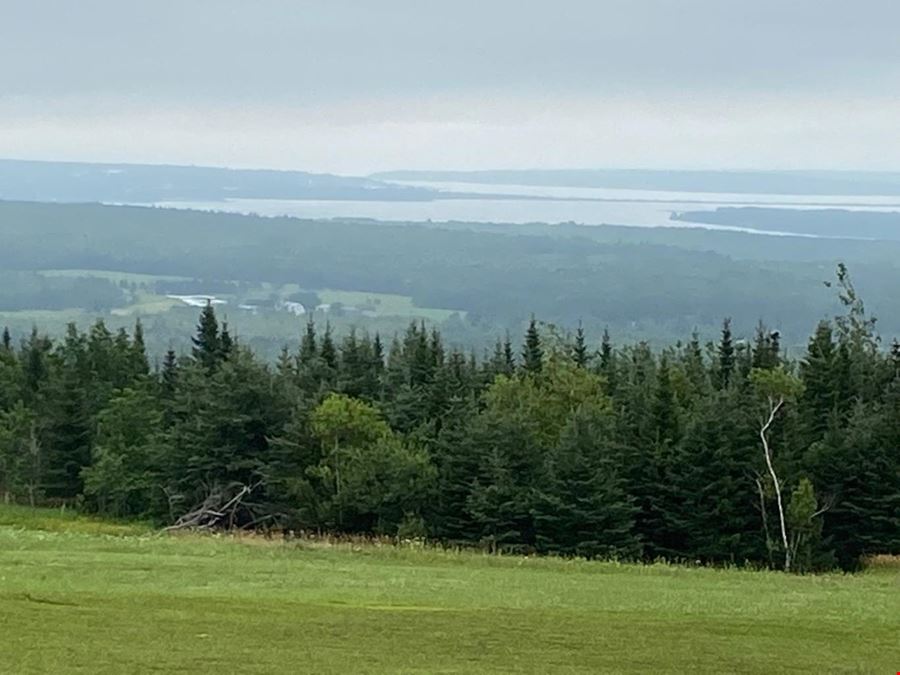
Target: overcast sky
354 86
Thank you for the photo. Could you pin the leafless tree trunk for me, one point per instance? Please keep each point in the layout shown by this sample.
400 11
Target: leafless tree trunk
34 456
765 518
775 406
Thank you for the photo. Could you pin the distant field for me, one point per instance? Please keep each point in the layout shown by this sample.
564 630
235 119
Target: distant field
168 322
78 595
114 276
384 304
378 304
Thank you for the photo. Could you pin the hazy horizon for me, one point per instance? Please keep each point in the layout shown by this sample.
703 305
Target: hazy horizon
343 88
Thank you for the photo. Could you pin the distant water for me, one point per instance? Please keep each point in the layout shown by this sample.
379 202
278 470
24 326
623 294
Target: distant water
587 206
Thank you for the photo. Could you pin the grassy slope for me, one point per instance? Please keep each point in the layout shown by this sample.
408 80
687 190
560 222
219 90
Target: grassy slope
76 601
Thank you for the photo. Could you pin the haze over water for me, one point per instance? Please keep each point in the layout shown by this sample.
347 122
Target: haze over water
586 206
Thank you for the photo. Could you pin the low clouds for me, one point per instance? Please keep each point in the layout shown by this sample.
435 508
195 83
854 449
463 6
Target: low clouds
353 86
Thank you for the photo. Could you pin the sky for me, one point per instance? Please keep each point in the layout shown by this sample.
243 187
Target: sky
357 86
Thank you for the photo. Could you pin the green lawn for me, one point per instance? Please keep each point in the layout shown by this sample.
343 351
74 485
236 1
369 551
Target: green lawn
78 596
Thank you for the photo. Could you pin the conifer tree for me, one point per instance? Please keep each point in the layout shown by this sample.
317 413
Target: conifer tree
665 413
308 344
606 352
583 508
509 356
226 342
820 377
139 361
169 374
207 348
579 349
726 355
532 353
377 354
328 352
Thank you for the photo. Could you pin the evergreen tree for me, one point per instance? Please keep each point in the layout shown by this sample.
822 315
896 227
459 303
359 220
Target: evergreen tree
509 357
726 355
665 412
644 453
819 370
226 343
532 353
308 345
579 349
140 365
583 509
328 352
207 348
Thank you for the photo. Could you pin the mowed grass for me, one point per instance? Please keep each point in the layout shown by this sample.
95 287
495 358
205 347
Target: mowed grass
112 602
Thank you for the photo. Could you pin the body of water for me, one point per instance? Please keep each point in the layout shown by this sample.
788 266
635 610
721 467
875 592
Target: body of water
587 206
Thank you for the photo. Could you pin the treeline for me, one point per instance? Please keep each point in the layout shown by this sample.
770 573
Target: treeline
550 447
30 290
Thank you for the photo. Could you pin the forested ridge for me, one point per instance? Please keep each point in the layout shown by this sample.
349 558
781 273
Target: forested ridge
657 284
550 446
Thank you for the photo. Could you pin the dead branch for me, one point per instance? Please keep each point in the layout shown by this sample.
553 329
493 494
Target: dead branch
211 512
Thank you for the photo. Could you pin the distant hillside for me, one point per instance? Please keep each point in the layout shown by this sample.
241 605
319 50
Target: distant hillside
84 182
651 284
769 182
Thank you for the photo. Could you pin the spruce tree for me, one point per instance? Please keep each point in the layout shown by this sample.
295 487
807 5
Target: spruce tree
583 507
665 414
509 356
207 348
377 354
766 348
169 375
308 344
606 352
328 352
579 349
532 353
139 362
226 343
820 377
726 355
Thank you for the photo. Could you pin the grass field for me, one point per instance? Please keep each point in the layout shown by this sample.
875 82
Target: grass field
380 304
386 304
78 595
169 323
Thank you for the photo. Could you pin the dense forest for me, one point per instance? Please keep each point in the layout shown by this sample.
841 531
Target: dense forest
722 453
656 285
29 290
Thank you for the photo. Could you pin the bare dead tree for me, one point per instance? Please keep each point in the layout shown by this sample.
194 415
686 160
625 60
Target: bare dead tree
765 518
775 404
214 511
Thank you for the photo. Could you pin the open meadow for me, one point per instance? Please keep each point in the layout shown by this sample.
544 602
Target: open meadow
79 595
